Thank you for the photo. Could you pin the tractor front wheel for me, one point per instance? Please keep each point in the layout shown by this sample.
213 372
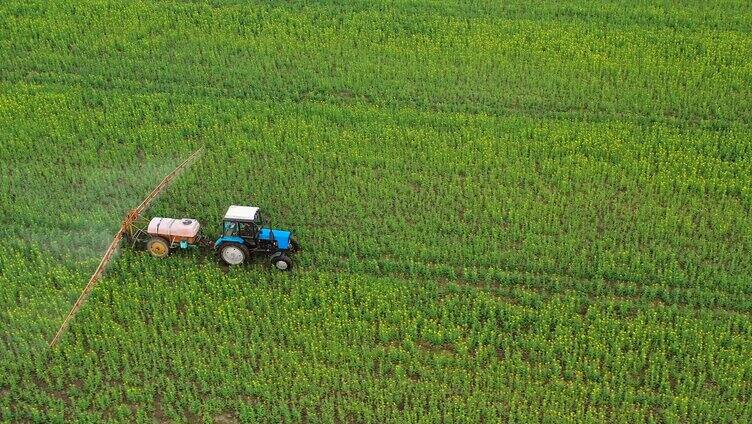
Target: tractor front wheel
281 261
158 247
233 253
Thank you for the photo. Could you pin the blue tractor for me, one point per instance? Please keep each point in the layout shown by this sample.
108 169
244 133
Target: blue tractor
244 234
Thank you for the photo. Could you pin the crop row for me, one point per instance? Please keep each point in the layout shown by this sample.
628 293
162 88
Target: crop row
624 202
551 64
354 346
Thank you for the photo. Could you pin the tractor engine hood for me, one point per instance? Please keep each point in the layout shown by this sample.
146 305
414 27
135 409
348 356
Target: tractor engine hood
282 237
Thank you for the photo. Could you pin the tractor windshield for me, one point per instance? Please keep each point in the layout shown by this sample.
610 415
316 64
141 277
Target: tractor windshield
230 228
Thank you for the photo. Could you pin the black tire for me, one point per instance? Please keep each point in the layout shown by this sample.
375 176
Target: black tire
233 253
158 247
281 262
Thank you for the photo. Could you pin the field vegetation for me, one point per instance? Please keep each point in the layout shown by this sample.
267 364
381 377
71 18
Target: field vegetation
510 212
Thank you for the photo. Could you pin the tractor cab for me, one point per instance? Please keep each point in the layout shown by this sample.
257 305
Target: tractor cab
244 233
242 221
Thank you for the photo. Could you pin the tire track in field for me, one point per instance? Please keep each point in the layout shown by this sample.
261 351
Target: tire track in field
639 298
56 78
459 268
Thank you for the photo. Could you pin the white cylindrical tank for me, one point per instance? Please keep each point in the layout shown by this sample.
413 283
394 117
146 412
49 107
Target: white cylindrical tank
174 230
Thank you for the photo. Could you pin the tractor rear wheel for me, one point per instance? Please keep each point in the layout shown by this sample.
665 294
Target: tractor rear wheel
233 253
158 247
281 262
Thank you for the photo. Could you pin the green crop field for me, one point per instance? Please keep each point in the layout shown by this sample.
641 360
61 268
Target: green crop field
509 211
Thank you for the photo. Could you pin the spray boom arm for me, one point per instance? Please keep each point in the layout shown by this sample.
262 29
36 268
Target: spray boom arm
125 228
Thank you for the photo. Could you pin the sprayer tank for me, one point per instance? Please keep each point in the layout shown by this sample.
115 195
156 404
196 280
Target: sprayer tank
174 230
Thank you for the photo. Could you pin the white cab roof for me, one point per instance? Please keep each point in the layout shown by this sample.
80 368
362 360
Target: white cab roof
241 213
